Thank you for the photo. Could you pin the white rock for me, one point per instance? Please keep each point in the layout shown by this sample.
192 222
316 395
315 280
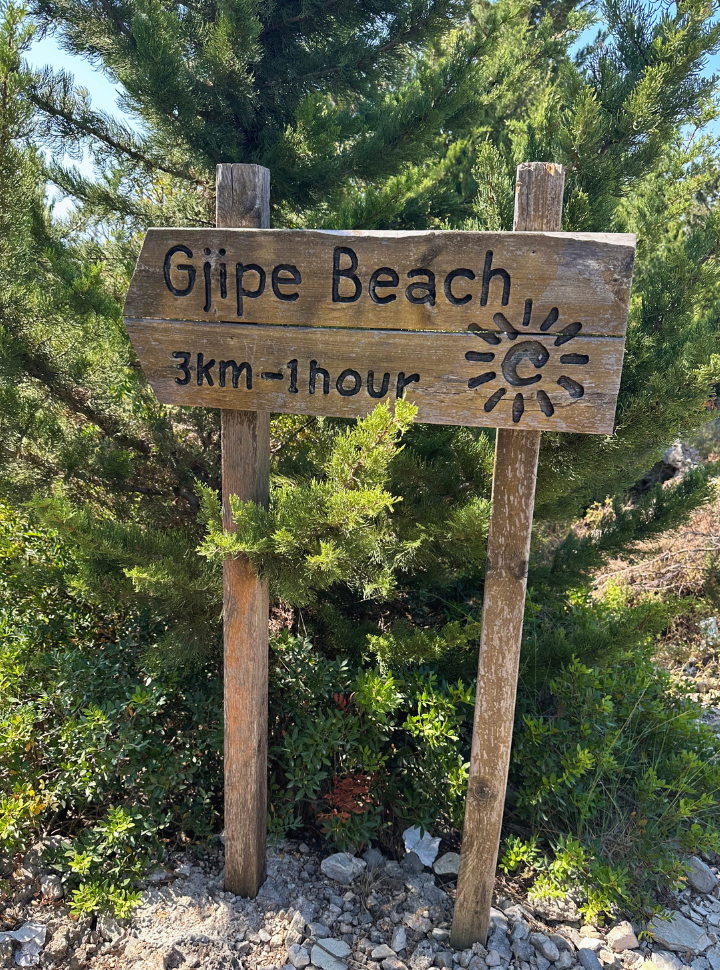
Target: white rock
447 865
664 960
701 877
679 934
52 887
591 943
329 954
342 867
622 937
298 956
296 931
424 846
399 940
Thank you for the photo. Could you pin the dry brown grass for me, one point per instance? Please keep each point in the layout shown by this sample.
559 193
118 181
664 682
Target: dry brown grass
683 562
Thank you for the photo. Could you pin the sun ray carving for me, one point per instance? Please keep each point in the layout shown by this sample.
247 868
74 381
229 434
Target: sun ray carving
526 351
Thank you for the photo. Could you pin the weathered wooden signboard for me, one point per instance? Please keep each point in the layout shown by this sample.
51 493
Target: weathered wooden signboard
521 331
507 330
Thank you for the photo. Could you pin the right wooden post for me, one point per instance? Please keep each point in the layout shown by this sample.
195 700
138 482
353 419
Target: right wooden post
538 207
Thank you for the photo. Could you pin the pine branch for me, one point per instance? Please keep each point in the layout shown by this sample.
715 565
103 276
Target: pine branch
99 127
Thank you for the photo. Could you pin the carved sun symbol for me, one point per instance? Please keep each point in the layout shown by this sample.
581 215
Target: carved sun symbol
532 351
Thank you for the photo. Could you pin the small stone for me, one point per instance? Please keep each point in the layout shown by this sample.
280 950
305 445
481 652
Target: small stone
440 934
382 952
447 864
664 960
565 960
516 913
296 931
679 934
591 943
609 958
700 963
622 937
544 946
523 950
493 959
498 920
305 849
477 963
109 928
319 930
298 956
373 857
444 959
632 960
329 954
713 957
392 963
520 931
264 936
342 867
588 959
51 887
701 877
399 939
465 958
417 924
412 863
423 955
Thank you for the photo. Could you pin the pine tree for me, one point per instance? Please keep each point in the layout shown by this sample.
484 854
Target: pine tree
393 115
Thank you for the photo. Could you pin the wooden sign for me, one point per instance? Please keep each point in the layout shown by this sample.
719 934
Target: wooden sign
497 329
521 331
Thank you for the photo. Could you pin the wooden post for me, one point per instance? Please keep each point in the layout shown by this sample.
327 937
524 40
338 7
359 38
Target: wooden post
243 201
538 206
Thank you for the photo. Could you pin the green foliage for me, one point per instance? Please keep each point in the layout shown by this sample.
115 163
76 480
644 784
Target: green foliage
403 739
94 746
615 771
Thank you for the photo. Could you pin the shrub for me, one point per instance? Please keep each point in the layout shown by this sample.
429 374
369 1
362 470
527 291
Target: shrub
95 747
614 771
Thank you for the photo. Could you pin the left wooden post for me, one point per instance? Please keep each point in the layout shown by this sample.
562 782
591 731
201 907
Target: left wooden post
243 201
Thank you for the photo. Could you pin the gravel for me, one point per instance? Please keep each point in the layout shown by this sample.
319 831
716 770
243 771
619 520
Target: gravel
308 915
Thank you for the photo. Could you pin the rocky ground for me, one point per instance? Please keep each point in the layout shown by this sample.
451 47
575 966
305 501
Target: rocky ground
341 912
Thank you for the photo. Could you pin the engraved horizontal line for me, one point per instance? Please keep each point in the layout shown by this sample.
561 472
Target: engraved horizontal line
305 327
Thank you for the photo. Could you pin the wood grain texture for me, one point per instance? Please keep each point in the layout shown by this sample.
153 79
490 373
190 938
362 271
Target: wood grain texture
243 199
538 204
584 277
440 391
